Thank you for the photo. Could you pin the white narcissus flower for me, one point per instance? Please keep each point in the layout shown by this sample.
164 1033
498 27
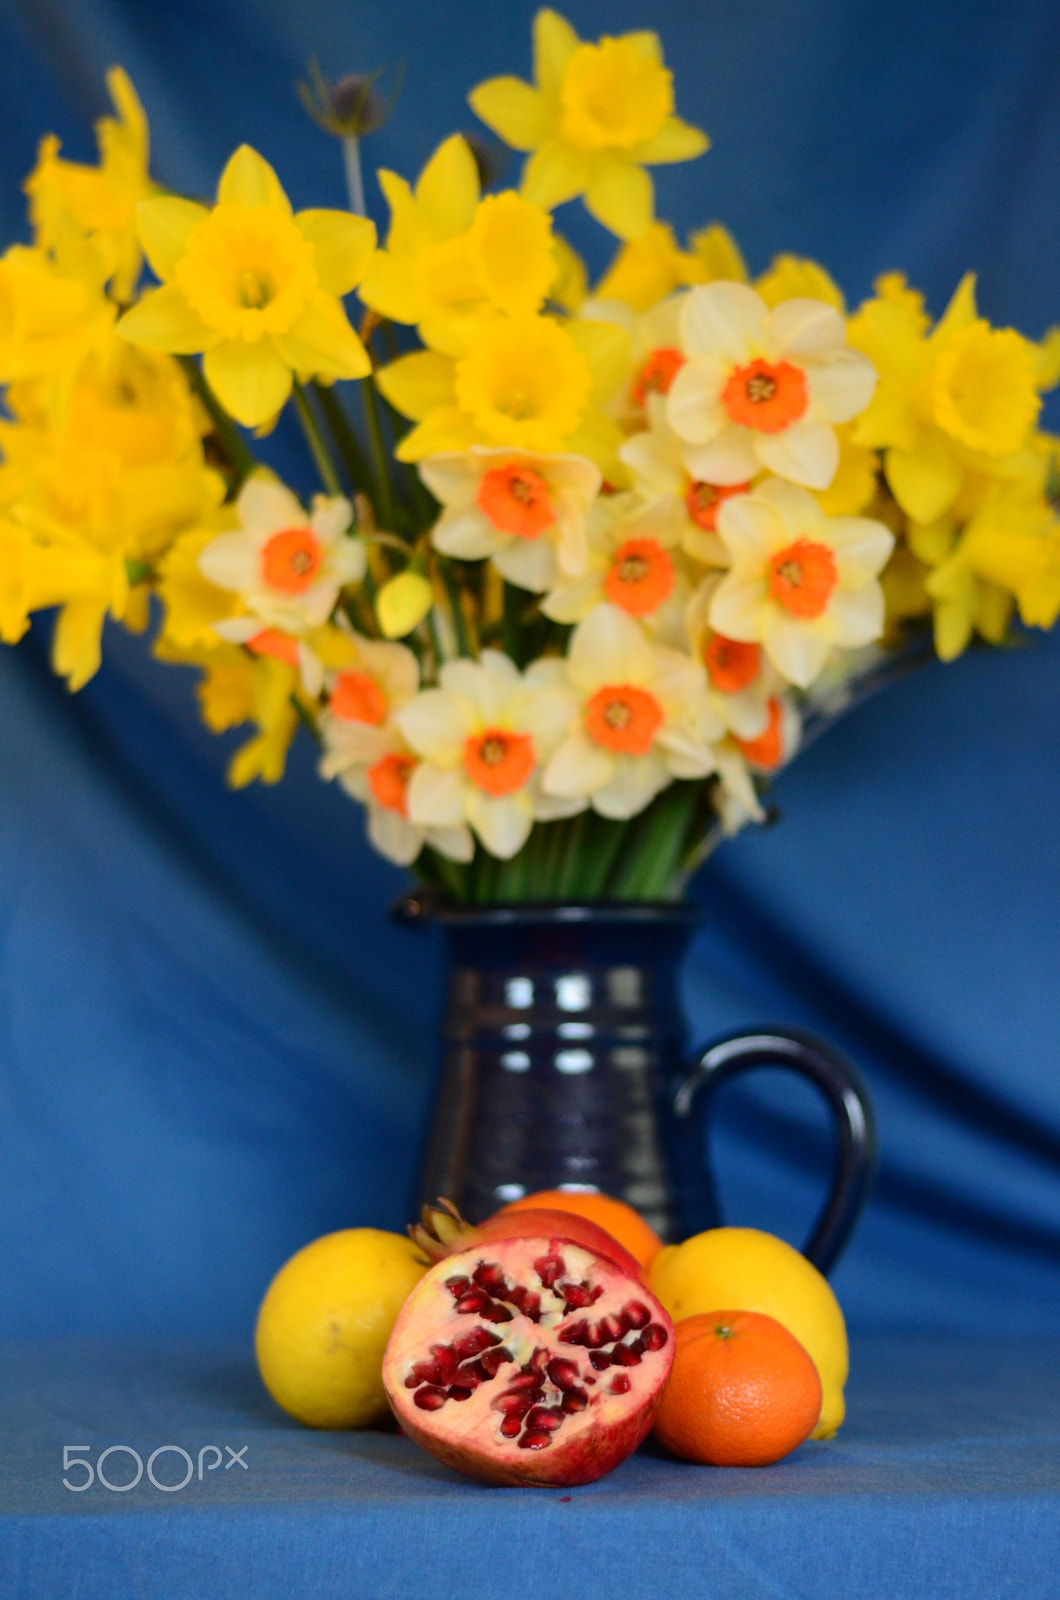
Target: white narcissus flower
286 566
644 718
523 510
484 737
655 348
801 583
365 750
764 388
632 562
656 458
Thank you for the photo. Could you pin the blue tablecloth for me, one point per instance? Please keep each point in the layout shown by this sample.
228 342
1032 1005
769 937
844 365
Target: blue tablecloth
944 1482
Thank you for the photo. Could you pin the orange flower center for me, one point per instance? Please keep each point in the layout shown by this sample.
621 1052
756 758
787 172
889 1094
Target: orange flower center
802 576
640 578
765 395
389 782
731 664
358 698
499 761
516 499
768 749
624 718
704 501
271 642
657 374
290 560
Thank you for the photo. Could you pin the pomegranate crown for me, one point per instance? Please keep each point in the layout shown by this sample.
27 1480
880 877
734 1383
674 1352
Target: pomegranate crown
439 1230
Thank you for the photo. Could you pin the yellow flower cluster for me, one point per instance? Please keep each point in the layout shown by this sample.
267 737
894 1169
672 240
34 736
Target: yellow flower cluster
628 535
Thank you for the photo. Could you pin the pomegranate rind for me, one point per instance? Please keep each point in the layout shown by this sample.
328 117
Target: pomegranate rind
560 1224
594 1415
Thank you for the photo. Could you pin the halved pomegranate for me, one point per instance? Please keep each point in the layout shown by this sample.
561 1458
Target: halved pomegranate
529 1360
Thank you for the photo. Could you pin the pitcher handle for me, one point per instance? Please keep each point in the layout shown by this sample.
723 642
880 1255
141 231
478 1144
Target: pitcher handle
848 1099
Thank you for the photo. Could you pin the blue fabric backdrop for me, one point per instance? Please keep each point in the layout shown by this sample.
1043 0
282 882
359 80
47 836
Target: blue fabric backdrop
214 1046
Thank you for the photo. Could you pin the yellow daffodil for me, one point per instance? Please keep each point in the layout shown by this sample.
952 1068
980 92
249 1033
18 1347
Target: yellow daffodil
68 198
451 257
264 756
951 399
485 736
253 286
51 317
402 603
797 278
529 382
596 115
646 270
800 583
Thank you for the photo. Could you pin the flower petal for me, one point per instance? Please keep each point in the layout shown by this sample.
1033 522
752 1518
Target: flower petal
418 384
248 180
675 141
634 783
392 285
578 767
393 835
860 542
802 327
163 320
266 507
502 824
843 385
739 607
724 320
437 796
445 429
693 407
620 195
467 534
456 844
250 380
448 188
231 561
163 226
806 453
856 615
609 648
925 480
793 649
728 459
554 174
515 111
528 563
453 479
555 41
436 723
321 341
342 247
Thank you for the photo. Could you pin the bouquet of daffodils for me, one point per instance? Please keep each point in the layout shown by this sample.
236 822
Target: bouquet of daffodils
585 563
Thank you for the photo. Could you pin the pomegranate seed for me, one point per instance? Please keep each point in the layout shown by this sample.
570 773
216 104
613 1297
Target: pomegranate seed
535 1441
473 1343
611 1327
430 1399
470 1374
458 1286
512 1405
577 1333
654 1336
471 1304
539 1360
489 1276
623 1356
531 1306
636 1314
597 1292
458 1392
493 1360
619 1384
525 1379
594 1337
637 1346
545 1418
511 1427
564 1374
575 1400
600 1359
495 1312
549 1269
576 1296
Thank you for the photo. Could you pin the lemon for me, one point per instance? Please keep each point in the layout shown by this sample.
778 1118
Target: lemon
325 1321
741 1269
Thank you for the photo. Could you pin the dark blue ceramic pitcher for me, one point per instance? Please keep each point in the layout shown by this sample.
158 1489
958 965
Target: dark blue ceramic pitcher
565 1064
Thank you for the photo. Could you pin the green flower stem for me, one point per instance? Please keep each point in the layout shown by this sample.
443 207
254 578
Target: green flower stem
387 512
348 445
242 460
452 589
316 441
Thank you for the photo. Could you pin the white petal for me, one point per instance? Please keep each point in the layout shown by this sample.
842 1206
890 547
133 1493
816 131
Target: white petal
609 648
267 507
436 723
347 560
572 548
232 561
797 510
856 615
437 797
728 459
806 453
485 686
740 607
573 600
805 327
546 714
685 755
861 543
452 479
751 525
528 563
655 458
454 843
331 517
724 320
468 534
237 630
502 824
551 807
746 713
393 835
736 779
634 784
693 405
842 386
793 649
578 767
311 669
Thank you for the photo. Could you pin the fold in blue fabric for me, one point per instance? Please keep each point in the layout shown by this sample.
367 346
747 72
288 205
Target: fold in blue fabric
214 1045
